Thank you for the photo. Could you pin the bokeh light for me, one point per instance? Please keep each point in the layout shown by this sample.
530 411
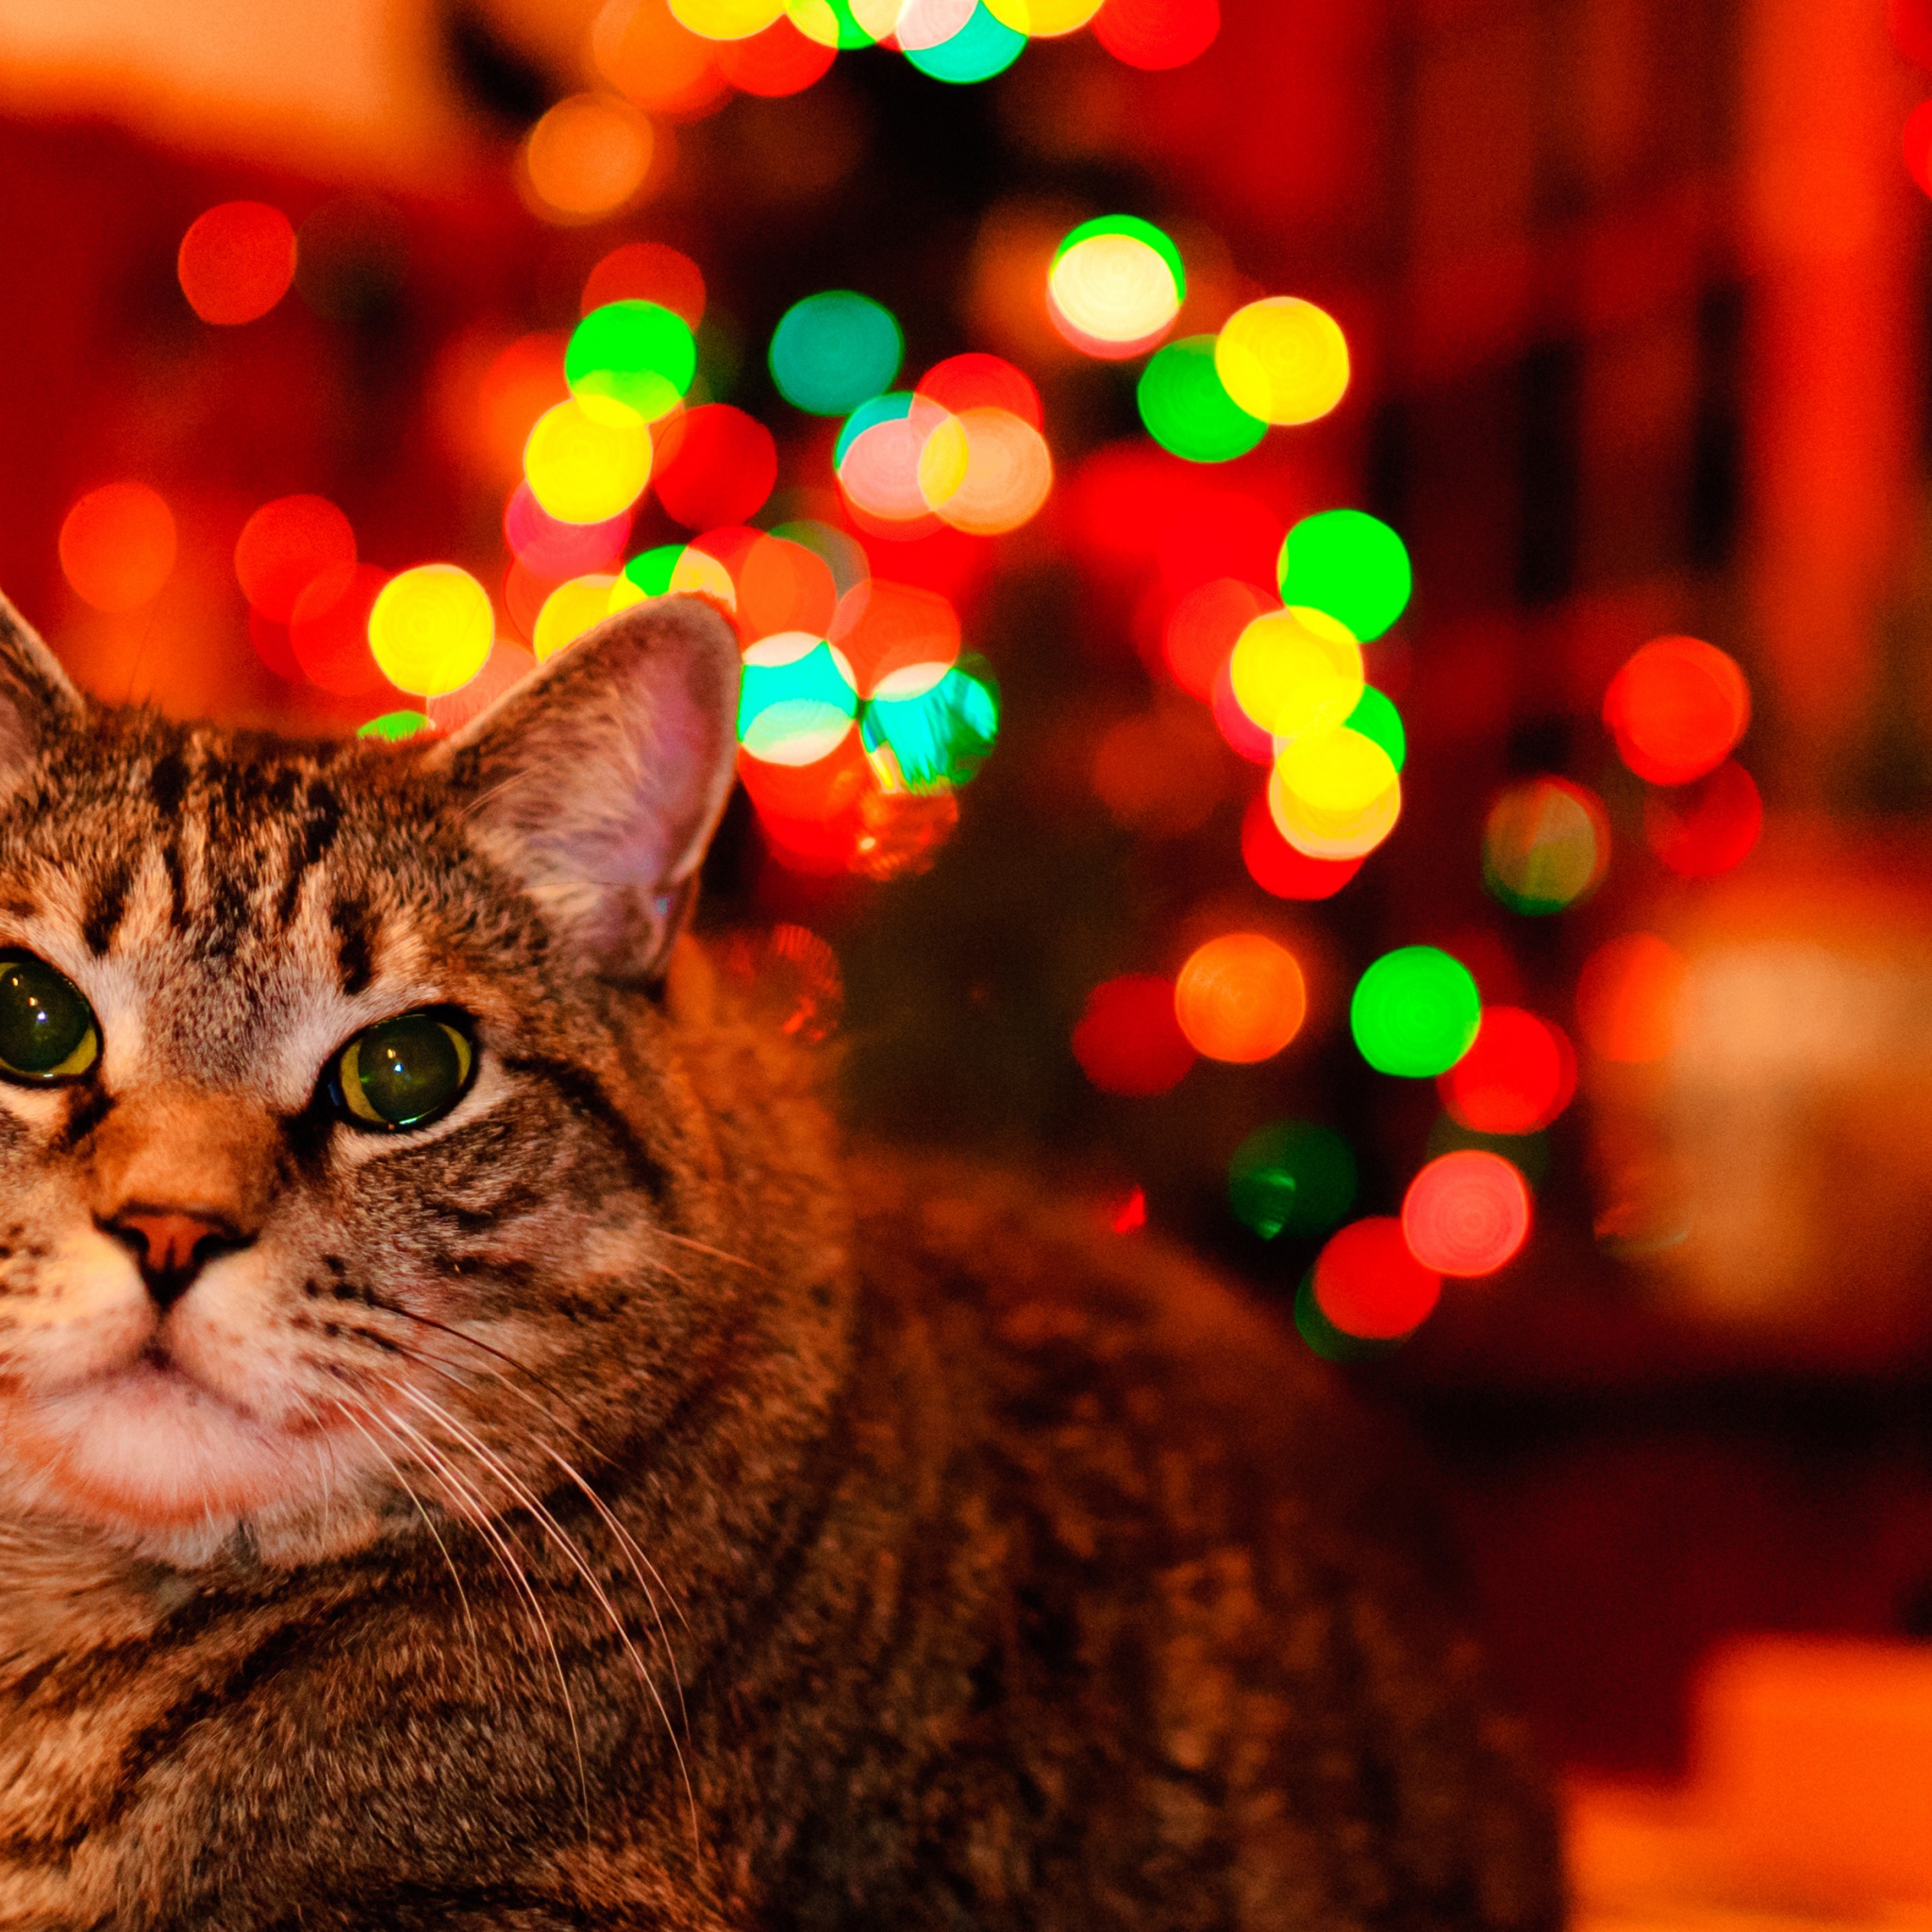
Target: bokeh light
1186 410
1334 794
1203 628
585 467
550 547
1415 1012
1708 826
887 630
1240 997
1466 1213
1045 19
117 546
1292 1178
1128 1041
885 466
1005 476
983 47
1546 843
587 158
1115 286
648 271
1282 360
784 587
430 628
922 735
1157 33
1277 867
393 726
727 20
674 570
1350 564
1242 733
1368 1283
1294 676
506 667
1627 998
1917 143
714 465
329 629
570 611
236 261
797 700
1377 720
1677 708
1520 1075
833 351
977 381
780 60
923 24
651 56
284 546
630 359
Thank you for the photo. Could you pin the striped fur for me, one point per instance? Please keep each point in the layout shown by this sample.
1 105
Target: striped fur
601 1508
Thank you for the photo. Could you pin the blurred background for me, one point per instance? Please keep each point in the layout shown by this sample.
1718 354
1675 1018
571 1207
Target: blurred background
1496 925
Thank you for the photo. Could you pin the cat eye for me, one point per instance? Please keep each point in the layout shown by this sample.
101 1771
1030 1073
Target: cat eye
47 1029
403 1073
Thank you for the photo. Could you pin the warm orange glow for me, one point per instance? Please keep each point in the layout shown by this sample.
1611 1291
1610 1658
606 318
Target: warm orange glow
1240 997
1627 998
117 546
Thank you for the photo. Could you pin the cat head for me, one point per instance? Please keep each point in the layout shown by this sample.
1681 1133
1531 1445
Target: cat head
331 1083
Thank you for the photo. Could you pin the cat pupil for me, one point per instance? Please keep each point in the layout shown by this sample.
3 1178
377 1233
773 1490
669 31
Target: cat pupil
44 1023
405 1072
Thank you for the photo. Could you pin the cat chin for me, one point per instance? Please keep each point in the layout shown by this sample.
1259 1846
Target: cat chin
165 1468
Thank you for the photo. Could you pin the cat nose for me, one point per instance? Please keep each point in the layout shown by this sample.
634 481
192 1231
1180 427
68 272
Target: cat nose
172 1246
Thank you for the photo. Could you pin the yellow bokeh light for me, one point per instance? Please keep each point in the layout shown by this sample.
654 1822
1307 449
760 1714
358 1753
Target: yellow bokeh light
430 629
942 462
727 20
1334 794
587 157
1294 672
1007 474
584 467
569 611
1043 19
818 21
1114 290
1283 359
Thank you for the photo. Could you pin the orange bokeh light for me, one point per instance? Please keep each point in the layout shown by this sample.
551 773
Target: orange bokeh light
117 546
784 587
285 546
1466 1213
884 628
1627 998
1240 997
1203 628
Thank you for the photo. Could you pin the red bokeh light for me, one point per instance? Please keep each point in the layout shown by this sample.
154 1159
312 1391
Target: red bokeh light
117 546
1128 1041
236 260
1520 1075
329 631
1918 145
648 271
1677 708
1627 998
1369 1285
1708 827
1466 1213
1911 30
779 61
285 546
977 381
883 626
1203 628
1277 867
714 465
1157 33
548 547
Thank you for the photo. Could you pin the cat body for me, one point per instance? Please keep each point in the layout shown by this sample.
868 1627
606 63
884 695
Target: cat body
598 1503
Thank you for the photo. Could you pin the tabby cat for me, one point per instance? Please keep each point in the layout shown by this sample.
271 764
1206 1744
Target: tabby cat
473 1454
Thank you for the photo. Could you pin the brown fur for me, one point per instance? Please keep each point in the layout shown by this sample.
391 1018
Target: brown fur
669 1526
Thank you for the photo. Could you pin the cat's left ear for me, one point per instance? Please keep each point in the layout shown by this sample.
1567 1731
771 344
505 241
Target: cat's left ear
599 780
37 699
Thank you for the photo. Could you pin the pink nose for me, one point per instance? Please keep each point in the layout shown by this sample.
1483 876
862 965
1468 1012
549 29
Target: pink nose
171 1246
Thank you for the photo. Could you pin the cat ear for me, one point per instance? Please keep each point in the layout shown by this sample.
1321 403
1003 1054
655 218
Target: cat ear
600 781
37 699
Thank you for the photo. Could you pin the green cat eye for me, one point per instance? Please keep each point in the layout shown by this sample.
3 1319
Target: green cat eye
47 1030
403 1073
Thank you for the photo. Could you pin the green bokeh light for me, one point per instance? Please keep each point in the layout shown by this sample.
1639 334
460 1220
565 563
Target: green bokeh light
635 353
832 351
1350 564
1378 719
651 571
986 45
941 736
1415 1012
1292 1177
1186 408
395 725
1140 231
